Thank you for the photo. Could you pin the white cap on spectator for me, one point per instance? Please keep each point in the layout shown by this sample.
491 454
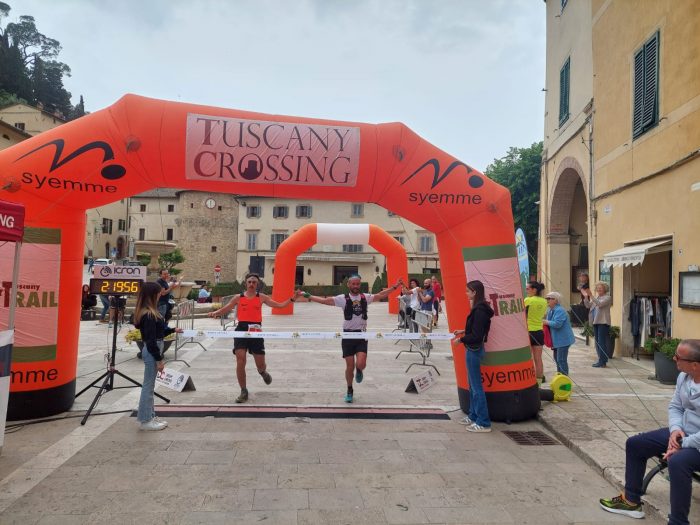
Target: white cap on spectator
554 295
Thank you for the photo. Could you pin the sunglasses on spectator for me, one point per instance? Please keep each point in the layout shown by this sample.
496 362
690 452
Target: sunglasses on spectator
679 358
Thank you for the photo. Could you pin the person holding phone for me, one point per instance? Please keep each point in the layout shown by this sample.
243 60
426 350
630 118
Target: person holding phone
166 301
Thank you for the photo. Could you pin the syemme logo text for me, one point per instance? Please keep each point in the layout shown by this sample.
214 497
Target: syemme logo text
431 197
229 149
109 172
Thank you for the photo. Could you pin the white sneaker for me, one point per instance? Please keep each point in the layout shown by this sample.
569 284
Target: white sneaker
152 425
478 428
159 420
465 421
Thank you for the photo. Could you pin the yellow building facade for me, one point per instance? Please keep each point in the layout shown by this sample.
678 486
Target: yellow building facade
620 193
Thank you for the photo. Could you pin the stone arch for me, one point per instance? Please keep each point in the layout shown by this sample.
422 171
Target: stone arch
561 197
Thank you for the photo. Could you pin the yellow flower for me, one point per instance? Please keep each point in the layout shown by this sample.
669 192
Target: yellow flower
135 335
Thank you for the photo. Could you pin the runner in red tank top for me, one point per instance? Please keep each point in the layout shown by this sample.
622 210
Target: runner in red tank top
249 313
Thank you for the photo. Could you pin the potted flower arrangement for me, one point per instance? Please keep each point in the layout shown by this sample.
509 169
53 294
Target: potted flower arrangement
134 336
664 350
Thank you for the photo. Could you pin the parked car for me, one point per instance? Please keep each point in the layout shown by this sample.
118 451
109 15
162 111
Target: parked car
104 261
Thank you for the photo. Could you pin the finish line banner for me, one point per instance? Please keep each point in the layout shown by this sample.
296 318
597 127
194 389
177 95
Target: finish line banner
228 334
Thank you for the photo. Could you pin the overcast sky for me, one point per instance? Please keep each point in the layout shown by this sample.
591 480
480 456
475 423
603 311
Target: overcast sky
464 74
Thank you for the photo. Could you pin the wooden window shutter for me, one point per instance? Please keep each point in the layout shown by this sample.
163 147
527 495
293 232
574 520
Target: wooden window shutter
564 85
651 68
637 126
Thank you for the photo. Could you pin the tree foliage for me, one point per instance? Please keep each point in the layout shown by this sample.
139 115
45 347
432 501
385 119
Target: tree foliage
519 171
168 261
29 69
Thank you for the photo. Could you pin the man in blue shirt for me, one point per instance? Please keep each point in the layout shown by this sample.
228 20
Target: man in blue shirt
679 443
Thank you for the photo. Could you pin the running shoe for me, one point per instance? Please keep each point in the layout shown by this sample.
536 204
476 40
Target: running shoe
465 421
243 397
619 505
152 425
348 397
359 376
266 377
474 427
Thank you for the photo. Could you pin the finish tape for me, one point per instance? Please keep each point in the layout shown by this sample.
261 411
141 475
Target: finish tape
229 334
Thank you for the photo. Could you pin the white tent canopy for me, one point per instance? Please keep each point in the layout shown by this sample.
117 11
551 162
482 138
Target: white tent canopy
634 254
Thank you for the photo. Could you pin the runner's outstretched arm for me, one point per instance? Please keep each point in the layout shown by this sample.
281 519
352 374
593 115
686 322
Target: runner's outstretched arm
226 308
315 299
274 304
385 293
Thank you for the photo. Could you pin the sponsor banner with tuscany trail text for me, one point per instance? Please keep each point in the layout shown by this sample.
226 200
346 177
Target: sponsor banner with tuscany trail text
36 315
507 364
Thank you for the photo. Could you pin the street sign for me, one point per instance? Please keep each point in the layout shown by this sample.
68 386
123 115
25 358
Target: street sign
217 268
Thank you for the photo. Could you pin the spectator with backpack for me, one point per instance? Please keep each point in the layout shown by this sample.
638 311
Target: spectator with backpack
354 305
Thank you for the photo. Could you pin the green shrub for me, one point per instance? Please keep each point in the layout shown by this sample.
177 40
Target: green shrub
614 332
377 286
651 345
587 330
193 295
669 346
221 289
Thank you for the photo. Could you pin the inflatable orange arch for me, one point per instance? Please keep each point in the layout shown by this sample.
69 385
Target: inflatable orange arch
324 233
139 144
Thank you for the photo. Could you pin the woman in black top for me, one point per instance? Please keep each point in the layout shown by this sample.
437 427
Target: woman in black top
153 330
473 336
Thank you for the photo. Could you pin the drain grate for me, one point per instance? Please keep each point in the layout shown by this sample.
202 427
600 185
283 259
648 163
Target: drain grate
531 437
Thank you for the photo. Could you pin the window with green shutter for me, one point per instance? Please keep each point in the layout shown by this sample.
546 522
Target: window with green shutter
564 92
646 87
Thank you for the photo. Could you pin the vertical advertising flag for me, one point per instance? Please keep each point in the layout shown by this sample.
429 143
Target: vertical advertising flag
523 263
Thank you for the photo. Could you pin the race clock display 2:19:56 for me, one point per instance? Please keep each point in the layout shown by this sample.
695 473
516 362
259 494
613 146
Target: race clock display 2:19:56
115 286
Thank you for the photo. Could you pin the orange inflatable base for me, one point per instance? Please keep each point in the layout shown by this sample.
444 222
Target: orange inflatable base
35 404
508 407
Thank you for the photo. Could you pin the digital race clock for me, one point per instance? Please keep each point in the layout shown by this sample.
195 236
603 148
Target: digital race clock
115 286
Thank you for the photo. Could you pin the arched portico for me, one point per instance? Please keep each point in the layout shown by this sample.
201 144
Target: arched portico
568 233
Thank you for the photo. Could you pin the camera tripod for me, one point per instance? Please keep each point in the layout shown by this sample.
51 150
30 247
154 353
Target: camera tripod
108 376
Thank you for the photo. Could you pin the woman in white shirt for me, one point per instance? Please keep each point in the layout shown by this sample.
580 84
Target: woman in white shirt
600 310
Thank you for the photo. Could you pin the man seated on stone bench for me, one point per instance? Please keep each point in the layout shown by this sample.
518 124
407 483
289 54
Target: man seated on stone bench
679 444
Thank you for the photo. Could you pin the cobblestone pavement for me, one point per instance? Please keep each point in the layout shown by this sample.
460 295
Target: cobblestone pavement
303 470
